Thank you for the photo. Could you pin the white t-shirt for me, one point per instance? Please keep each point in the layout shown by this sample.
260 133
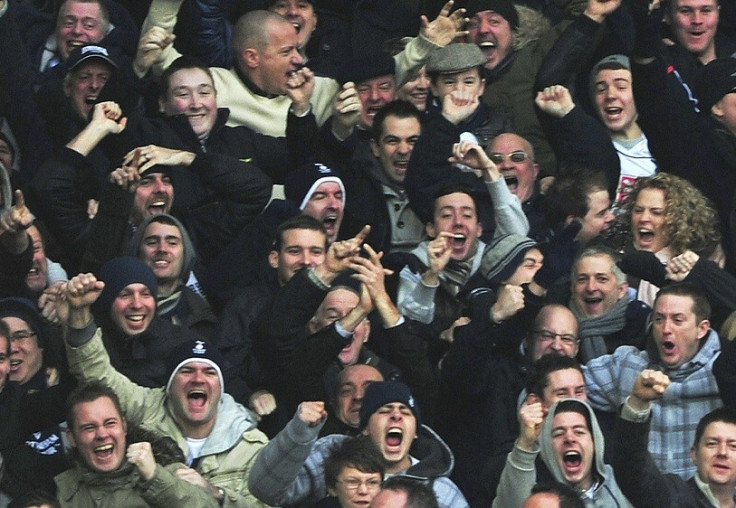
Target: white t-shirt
636 162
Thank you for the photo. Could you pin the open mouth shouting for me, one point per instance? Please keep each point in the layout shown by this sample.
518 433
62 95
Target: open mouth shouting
645 238
331 221
459 243
572 464
668 352
400 167
512 182
158 205
104 452
394 438
612 113
488 48
35 275
196 400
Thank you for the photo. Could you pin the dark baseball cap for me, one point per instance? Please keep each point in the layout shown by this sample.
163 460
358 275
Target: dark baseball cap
88 52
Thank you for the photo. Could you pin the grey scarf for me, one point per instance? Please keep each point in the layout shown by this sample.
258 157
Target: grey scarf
593 330
456 273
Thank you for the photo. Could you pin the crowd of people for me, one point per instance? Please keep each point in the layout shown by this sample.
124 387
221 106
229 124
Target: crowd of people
368 253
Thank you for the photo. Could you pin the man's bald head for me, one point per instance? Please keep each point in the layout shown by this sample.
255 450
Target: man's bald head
252 30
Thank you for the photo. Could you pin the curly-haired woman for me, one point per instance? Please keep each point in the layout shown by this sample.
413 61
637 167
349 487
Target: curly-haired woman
669 216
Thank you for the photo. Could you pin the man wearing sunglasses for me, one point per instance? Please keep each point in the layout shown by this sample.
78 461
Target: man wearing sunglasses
513 156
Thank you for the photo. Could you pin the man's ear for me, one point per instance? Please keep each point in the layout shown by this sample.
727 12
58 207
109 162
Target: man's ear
667 18
375 149
535 170
703 328
70 437
312 325
273 259
431 230
251 58
67 87
717 109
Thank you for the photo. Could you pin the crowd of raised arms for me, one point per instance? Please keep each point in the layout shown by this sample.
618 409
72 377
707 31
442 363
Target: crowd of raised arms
368 253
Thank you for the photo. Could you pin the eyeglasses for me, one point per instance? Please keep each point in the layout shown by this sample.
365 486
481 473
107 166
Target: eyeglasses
547 336
354 484
22 335
515 157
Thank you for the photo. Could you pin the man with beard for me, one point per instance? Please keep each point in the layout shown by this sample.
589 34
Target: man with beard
44 278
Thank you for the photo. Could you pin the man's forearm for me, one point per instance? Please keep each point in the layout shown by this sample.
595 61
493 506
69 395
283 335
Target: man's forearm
86 141
390 315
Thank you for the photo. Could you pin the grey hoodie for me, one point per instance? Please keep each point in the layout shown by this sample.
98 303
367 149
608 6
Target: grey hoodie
606 492
190 256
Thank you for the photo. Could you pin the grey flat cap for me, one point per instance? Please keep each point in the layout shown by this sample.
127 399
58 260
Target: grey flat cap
453 58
